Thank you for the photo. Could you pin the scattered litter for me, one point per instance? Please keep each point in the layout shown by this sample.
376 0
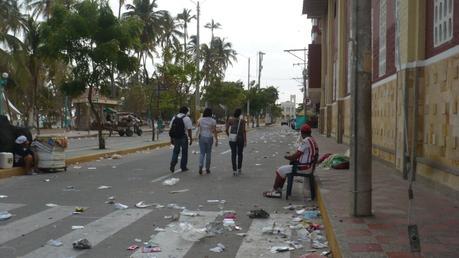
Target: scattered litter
138 240
51 205
213 201
175 206
158 229
168 217
116 156
242 234
295 244
82 244
77 227
55 243
311 214
189 213
258 214
258 164
120 206
92 168
133 247
47 180
102 187
148 249
142 204
171 181
113 166
179 191
281 249
319 245
4 215
159 206
3 196
79 210
76 167
70 188
299 212
218 249
188 232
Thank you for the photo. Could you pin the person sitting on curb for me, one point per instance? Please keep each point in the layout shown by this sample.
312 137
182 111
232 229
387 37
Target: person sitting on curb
23 155
304 156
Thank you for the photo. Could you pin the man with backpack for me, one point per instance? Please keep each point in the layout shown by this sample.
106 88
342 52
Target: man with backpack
180 126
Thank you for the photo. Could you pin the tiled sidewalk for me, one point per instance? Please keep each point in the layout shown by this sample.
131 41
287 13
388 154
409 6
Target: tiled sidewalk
385 233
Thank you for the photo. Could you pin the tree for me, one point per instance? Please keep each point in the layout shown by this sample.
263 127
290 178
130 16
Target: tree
217 59
212 26
231 95
91 38
185 17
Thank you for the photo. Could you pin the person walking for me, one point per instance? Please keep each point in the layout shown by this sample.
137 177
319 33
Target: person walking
207 127
235 129
180 126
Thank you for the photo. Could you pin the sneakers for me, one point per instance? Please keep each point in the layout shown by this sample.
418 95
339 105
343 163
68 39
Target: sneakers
239 172
234 173
172 169
208 171
200 170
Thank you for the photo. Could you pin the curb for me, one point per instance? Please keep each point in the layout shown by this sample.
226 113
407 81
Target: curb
18 171
329 232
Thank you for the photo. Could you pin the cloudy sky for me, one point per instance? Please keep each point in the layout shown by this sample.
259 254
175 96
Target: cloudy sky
270 26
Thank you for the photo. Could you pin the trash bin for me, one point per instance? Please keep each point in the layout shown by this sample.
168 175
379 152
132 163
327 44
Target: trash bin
6 160
51 152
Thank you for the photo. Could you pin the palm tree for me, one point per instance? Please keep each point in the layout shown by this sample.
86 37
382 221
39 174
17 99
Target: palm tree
212 26
145 10
121 3
169 37
185 17
11 19
217 59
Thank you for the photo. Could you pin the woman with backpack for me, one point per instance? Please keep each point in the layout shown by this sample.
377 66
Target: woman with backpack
235 129
207 127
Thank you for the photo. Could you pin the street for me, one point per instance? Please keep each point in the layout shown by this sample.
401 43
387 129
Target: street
138 177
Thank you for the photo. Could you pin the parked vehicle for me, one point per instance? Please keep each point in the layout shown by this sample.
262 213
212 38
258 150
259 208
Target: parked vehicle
125 123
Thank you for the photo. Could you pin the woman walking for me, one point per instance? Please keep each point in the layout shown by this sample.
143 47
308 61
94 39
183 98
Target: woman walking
235 129
207 127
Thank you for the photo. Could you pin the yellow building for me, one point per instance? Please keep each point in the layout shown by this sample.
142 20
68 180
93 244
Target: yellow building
415 43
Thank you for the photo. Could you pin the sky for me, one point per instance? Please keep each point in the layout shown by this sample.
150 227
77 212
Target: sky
270 26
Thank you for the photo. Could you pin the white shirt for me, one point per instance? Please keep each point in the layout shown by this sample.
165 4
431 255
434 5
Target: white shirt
206 126
186 121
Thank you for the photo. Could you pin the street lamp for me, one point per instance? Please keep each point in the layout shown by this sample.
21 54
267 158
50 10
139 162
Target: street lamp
3 82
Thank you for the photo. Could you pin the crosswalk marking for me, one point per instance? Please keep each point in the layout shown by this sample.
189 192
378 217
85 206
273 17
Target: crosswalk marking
29 224
171 243
255 243
9 206
95 232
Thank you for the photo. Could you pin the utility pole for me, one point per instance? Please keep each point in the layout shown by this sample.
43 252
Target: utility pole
248 90
198 79
260 67
305 73
361 138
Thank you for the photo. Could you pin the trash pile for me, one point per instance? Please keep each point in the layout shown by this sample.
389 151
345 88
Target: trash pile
335 161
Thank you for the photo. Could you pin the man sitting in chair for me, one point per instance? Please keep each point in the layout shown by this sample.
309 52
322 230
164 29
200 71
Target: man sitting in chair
304 156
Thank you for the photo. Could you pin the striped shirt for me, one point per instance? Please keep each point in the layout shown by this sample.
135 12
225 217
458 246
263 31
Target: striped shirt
309 151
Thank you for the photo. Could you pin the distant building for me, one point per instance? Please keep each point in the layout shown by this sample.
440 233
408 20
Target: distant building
84 115
289 108
414 44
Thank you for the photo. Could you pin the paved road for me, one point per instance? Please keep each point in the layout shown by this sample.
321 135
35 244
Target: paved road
139 177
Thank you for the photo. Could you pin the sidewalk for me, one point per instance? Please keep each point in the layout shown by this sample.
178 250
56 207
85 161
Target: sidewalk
385 233
76 134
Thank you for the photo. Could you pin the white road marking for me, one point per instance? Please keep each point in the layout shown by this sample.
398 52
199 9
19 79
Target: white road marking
161 178
255 244
171 243
9 206
95 232
26 225
227 151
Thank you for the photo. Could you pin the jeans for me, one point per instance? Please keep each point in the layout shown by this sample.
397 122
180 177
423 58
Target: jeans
236 150
183 144
205 147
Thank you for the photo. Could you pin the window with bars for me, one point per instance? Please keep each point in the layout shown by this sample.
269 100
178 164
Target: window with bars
382 36
443 21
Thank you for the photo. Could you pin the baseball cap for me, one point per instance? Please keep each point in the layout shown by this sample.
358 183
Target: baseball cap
21 139
305 128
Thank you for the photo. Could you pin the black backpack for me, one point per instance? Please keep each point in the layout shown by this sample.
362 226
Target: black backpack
177 128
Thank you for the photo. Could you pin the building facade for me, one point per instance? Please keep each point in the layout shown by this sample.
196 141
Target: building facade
415 81
289 108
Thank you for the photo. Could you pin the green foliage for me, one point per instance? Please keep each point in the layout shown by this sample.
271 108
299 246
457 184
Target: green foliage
260 98
228 94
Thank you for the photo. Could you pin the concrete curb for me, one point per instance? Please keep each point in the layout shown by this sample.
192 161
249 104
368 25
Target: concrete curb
329 232
17 171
